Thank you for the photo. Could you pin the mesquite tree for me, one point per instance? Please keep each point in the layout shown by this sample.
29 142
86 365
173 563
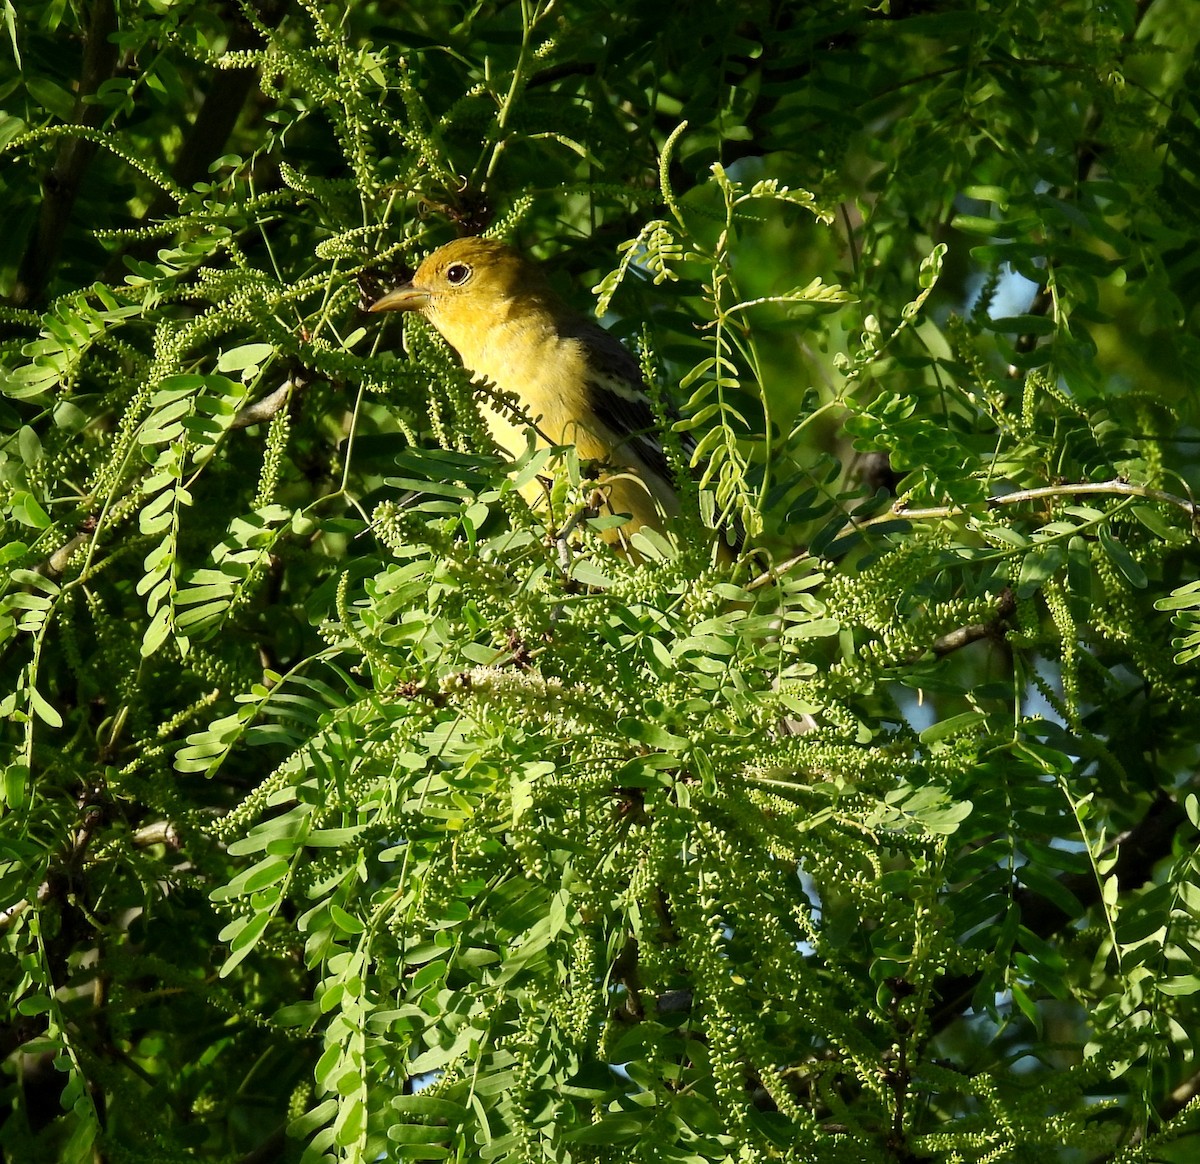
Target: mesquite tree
355 809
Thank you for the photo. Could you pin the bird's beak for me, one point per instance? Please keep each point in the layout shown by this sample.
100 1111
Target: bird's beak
406 297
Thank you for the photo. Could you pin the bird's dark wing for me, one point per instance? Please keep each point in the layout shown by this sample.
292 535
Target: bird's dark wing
619 396
621 401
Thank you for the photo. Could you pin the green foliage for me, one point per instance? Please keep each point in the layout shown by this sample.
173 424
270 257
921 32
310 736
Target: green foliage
355 810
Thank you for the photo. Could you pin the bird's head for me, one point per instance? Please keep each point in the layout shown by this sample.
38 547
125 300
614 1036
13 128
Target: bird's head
467 286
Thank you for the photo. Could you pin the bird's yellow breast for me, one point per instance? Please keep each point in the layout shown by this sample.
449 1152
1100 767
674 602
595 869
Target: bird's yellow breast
523 353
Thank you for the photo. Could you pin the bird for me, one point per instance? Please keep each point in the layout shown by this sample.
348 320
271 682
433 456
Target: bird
575 381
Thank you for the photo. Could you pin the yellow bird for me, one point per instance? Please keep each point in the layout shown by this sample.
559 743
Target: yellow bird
579 385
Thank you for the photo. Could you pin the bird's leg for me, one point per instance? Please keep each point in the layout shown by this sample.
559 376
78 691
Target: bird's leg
562 538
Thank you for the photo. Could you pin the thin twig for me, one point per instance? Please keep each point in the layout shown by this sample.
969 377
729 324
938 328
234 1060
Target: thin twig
776 572
1115 487
900 512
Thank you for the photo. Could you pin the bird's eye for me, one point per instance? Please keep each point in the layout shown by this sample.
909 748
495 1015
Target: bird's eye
457 274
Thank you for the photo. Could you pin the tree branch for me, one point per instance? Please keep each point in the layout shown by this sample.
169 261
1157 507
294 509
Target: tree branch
1138 850
215 120
964 636
61 185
